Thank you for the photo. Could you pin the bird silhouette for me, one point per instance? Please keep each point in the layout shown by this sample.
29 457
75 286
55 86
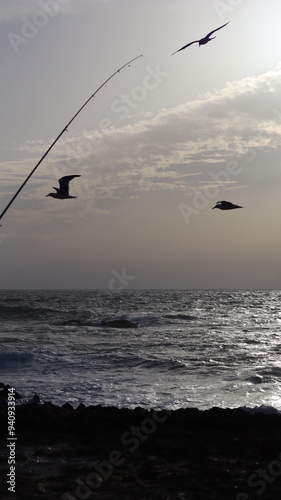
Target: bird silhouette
226 205
63 191
202 41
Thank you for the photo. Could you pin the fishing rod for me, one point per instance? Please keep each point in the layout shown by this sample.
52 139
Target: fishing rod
64 130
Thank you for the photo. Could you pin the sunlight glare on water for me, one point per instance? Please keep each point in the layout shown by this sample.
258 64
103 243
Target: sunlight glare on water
191 348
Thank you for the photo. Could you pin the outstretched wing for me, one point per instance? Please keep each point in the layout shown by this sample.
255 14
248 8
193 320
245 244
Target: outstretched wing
195 41
211 32
236 206
226 205
64 182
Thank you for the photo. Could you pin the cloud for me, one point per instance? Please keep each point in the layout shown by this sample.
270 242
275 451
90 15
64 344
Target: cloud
175 149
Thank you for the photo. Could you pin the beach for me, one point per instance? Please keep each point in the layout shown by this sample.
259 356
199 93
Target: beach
109 453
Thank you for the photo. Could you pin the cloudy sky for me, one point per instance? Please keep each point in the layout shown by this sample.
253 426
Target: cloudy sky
156 148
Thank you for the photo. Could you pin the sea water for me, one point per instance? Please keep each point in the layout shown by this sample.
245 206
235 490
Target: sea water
192 348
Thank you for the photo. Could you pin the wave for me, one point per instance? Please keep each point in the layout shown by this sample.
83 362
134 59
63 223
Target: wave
24 312
114 323
146 363
10 360
185 317
255 379
266 375
189 340
11 299
79 322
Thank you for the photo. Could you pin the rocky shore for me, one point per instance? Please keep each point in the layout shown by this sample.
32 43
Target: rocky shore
108 453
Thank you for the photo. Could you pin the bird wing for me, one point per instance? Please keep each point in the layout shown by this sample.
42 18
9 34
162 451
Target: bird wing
211 32
226 203
195 41
64 182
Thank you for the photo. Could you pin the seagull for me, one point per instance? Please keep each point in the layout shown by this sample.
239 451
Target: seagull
226 205
204 40
63 191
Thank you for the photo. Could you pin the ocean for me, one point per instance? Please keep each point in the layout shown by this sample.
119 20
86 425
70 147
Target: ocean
192 348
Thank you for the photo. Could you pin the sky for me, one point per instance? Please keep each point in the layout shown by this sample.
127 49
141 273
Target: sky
156 148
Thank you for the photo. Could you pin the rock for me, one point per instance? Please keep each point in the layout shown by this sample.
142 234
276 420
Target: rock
35 400
5 393
144 454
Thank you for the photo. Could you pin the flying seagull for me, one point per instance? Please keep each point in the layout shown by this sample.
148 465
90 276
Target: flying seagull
202 41
226 205
63 191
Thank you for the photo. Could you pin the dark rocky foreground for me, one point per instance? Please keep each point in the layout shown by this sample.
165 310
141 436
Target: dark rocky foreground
106 453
